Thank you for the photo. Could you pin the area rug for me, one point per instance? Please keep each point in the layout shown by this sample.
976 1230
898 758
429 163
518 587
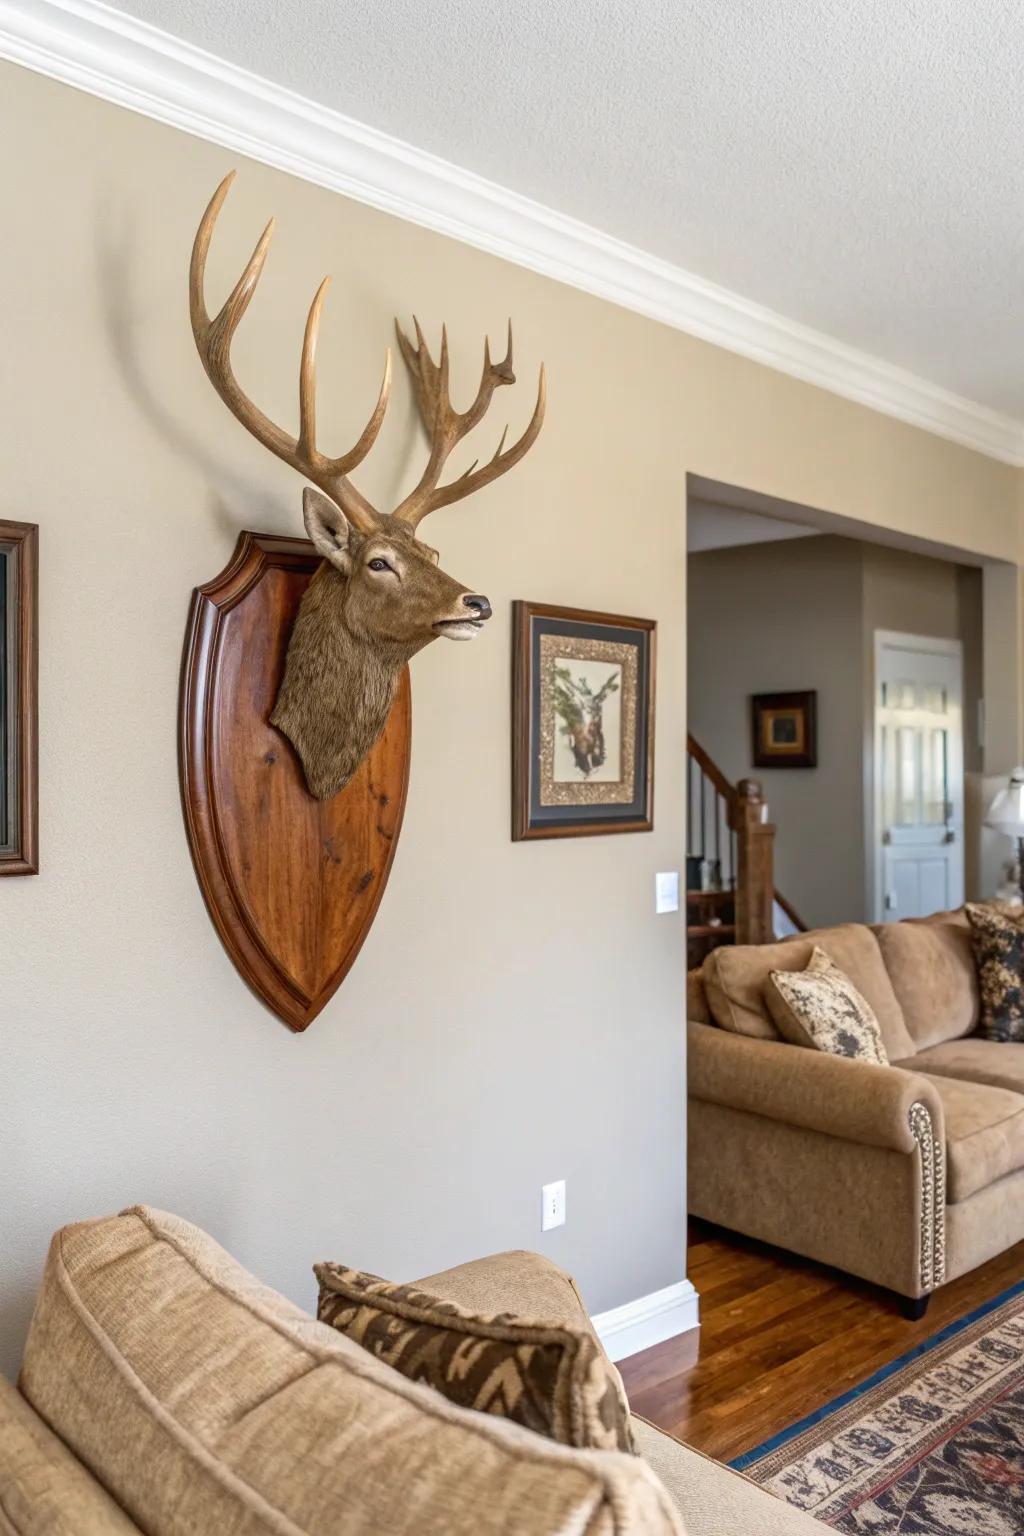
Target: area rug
931 1445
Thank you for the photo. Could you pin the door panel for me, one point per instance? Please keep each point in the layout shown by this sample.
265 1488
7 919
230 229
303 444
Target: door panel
918 849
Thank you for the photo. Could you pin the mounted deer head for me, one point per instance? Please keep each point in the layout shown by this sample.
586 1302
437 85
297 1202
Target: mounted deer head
379 596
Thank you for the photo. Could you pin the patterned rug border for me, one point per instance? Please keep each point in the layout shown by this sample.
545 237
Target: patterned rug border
878 1378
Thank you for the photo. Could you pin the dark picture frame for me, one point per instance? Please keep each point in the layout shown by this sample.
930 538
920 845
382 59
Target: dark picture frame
785 729
583 688
19 699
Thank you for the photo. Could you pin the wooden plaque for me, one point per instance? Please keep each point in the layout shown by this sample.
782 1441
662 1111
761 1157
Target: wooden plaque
292 883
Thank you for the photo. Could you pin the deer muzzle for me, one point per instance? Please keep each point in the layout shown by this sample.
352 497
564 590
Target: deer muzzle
468 625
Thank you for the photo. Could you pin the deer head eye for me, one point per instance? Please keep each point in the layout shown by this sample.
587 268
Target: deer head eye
377 564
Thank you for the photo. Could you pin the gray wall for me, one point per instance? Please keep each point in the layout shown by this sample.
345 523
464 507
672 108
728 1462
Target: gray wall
775 618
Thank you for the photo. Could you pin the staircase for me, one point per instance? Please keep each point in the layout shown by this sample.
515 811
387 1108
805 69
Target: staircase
730 881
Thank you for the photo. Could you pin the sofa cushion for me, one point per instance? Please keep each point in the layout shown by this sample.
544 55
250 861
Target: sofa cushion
44 1491
735 978
998 938
535 1371
995 1062
715 1500
206 1402
984 1135
957 916
820 1009
931 967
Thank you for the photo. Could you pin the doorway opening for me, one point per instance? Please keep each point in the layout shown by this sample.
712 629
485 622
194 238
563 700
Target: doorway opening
908 654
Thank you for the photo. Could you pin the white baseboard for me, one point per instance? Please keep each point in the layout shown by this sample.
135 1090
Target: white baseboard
628 1329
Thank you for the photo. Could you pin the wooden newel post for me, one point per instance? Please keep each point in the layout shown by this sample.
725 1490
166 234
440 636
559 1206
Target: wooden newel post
755 872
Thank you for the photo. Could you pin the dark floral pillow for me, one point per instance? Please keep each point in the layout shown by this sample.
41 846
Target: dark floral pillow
997 935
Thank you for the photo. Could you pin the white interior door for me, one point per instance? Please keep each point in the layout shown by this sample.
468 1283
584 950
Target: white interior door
919 776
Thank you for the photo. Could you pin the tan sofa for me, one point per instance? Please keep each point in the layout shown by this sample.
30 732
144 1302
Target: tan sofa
906 1175
166 1390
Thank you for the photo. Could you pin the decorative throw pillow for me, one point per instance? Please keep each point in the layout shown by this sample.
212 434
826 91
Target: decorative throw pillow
997 936
547 1376
820 1007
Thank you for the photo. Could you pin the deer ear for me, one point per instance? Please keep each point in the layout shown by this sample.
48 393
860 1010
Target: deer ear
328 527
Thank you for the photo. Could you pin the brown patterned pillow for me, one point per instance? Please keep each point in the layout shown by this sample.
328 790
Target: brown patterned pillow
997 936
550 1378
820 1007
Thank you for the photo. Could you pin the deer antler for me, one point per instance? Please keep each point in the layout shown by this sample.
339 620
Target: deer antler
446 426
213 339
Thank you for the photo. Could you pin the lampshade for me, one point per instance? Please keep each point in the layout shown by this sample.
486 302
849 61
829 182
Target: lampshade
1006 813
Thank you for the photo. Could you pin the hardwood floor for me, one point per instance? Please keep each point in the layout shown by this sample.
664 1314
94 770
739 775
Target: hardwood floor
780 1336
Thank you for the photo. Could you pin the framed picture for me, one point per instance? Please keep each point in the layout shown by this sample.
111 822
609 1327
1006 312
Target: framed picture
785 730
18 700
582 722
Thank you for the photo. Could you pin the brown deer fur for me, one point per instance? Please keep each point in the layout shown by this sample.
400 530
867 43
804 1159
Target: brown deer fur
356 629
379 597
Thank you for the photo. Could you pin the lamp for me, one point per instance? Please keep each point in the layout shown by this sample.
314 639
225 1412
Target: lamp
1006 815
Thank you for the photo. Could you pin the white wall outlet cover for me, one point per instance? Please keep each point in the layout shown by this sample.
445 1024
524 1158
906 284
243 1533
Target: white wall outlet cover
666 891
552 1205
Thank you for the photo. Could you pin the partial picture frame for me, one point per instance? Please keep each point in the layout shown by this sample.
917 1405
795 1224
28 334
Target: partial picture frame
19 699
785 729
583 690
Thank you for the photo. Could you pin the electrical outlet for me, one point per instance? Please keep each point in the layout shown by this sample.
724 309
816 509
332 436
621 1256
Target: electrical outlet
552 1205
666 891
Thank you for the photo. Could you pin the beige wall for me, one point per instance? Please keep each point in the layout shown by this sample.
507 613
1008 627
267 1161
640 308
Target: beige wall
516 1013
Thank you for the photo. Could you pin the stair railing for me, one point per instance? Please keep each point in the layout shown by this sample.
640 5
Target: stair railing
731 847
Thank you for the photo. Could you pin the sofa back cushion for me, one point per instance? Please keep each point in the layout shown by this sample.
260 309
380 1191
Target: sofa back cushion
735 977
204 1401
44 1490
931 967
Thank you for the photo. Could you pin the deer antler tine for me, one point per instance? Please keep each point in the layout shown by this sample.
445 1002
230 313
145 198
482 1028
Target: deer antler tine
213 342
307 372
508 349
240 297
446 428
200 249
369 433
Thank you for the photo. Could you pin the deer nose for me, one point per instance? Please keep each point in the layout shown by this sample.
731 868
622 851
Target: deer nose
480 606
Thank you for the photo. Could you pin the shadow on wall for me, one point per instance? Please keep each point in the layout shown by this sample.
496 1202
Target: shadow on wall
243 501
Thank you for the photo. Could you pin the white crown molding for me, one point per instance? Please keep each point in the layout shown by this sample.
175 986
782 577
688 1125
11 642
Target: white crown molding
628 1329
110 54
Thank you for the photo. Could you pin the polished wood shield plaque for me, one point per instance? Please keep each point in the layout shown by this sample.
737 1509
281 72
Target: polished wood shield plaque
292 883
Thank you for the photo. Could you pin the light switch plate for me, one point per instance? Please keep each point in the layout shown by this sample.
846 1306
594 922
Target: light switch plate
666 891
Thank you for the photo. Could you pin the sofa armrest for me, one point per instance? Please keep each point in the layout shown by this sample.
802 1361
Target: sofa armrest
853 1100
526 1283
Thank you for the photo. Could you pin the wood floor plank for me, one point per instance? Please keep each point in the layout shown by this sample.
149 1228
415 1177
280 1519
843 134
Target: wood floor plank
781 1336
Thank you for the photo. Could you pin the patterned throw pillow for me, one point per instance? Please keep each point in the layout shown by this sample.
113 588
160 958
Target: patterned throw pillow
821 1008
997 935
547 1376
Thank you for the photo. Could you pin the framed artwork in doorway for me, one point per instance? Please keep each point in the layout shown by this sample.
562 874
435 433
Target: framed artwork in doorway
582 722
18 699
785 730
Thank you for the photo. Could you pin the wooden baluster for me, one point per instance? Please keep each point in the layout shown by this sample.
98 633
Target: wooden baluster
755 886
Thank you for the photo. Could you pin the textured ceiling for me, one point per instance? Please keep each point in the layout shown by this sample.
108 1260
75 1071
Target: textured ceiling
857 166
